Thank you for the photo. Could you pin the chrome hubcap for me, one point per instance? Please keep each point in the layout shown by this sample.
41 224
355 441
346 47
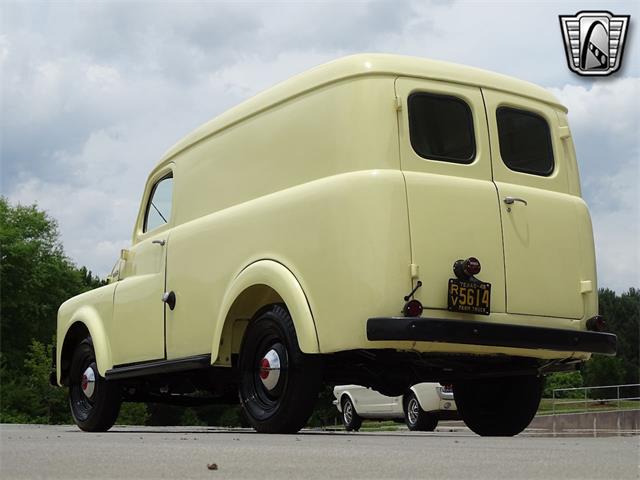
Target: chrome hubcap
347 411
412 410
88 382
270 369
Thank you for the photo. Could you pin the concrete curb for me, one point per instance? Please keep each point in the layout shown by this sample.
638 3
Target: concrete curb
620 422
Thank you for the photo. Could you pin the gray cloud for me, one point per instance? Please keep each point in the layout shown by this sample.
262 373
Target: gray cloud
605 120
94 93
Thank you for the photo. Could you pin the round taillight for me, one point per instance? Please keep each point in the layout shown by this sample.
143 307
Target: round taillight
597 324
472 266
413 308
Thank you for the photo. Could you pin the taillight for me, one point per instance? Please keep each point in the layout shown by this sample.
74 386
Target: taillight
596 324
413 308
471 266
466 269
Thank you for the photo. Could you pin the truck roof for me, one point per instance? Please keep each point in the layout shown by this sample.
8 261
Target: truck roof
360 65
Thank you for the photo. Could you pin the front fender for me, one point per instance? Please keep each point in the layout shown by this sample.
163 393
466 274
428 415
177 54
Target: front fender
285 284
345 393
88 309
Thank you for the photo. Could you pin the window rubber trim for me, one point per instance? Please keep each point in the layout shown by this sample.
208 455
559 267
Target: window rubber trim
443 158
550 142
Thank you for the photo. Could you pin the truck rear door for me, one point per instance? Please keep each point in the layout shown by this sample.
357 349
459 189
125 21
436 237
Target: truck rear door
453 208
543 244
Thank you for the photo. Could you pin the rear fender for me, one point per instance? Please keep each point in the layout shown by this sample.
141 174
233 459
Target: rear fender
277 277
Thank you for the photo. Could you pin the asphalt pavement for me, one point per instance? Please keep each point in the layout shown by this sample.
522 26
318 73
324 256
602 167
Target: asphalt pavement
64 452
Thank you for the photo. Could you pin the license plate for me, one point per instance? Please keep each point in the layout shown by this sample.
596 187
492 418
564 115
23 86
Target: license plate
469 297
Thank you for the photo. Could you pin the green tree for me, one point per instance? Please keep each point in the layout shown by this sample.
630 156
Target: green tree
622 313
36 278
623 318
325 412
133 414
28 397
601 370
563 380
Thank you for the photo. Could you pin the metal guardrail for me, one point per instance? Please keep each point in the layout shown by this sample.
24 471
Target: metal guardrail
584 398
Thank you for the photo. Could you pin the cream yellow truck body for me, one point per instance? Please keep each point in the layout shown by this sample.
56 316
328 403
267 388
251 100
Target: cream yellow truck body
311 195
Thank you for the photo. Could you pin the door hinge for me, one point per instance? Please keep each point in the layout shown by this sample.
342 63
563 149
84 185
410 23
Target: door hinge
586 286
415 271
398 103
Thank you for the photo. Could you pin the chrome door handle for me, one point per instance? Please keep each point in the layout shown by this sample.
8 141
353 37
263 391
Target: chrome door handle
159 242
512 200
170 299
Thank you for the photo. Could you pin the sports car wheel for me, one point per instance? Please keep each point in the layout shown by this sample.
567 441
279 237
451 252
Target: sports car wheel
415 417
350 418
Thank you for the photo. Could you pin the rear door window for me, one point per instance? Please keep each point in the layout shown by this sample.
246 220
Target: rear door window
441 128
525 141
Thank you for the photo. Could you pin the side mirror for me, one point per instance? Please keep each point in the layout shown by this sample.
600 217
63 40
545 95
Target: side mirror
114 276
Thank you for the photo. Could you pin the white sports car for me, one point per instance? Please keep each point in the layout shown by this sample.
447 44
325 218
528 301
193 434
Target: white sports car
421 407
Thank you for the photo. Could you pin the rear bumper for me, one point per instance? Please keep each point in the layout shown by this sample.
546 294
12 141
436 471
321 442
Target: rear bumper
489 334
448 406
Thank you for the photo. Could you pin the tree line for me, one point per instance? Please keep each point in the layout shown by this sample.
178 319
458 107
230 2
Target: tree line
36 277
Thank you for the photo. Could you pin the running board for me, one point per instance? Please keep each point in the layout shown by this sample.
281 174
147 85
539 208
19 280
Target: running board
158 367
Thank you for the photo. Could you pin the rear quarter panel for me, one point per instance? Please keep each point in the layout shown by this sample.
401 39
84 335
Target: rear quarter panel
427 396
313 184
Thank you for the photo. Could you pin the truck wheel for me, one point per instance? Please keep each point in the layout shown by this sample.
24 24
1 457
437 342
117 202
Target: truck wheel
350 418
498 407
415 417
95 403
278 383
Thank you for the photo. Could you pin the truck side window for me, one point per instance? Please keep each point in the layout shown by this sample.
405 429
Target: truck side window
525 141
441 128
159 206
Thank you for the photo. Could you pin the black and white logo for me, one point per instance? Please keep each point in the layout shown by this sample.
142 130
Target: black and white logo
594 41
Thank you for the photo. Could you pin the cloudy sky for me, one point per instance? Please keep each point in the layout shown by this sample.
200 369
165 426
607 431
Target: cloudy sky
93 93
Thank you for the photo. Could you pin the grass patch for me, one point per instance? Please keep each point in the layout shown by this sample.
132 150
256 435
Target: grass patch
546 405
381 426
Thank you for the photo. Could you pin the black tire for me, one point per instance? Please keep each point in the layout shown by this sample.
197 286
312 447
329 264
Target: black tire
94 405
415 417
350 418
498 407
276 400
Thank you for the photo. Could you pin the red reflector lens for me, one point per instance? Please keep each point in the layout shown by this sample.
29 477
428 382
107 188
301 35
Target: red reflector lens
413 308
597 324
472 266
